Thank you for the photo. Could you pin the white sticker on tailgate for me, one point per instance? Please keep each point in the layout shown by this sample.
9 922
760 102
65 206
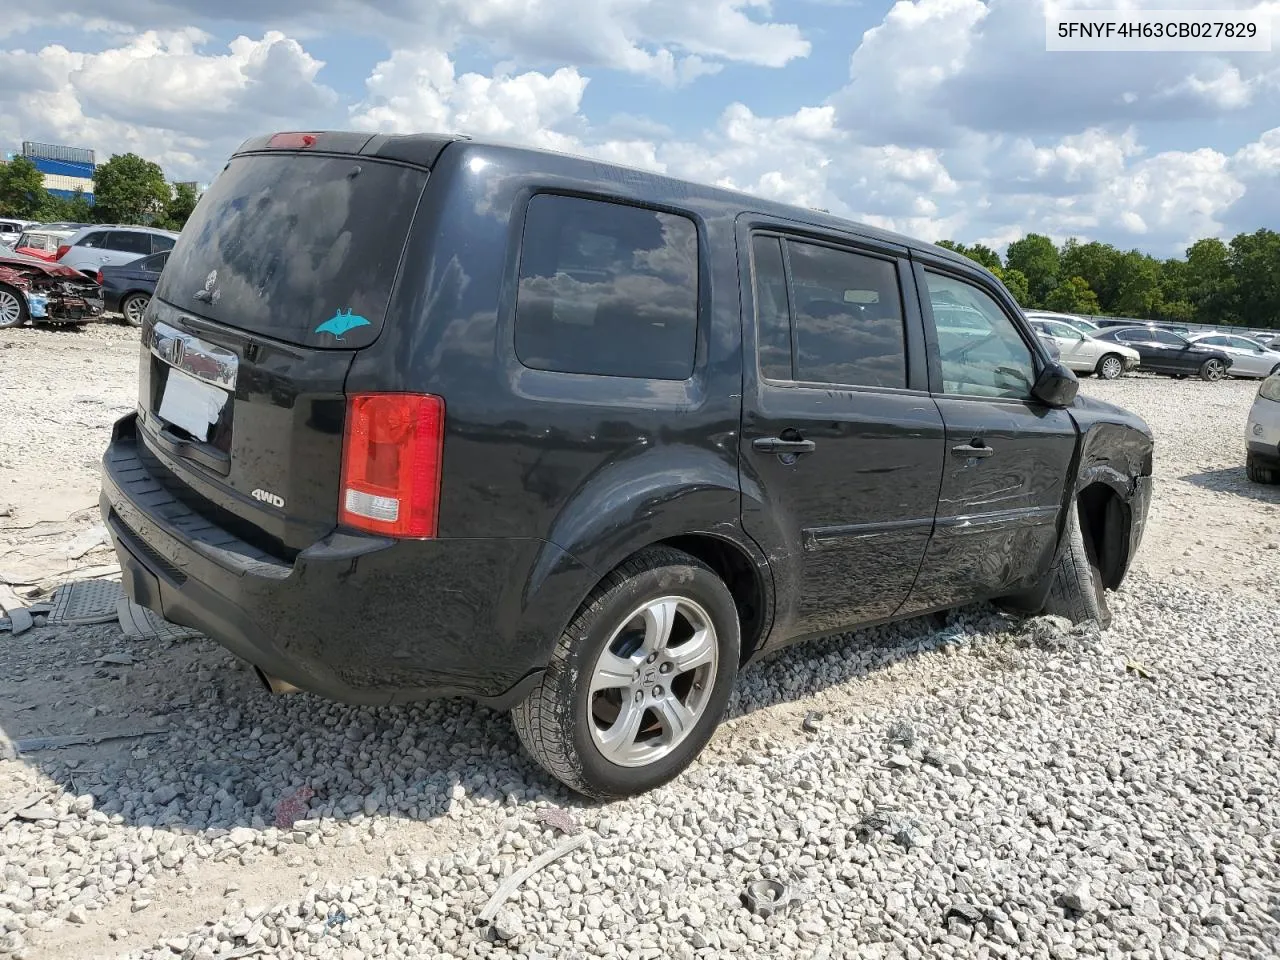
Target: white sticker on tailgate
191 404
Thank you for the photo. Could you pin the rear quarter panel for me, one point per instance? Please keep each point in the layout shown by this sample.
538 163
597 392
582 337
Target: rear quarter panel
594 468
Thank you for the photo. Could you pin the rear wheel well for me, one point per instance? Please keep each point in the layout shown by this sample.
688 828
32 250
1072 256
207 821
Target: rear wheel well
740 575
1104 525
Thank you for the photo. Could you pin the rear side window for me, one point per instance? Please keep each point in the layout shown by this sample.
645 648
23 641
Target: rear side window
128 241
607 289
160 243
302 248
93 240
848 317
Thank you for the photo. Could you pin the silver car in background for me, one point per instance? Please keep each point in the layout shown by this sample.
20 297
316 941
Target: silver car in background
1249 358
1262 435
1084 354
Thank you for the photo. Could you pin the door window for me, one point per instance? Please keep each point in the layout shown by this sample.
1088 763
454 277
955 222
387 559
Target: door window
128 241
848 318
981 351
1166 339
160 243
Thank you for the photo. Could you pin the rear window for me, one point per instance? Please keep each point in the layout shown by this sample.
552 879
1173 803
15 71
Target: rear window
300 248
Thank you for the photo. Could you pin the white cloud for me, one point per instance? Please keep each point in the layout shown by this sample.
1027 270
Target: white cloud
672 41
156 94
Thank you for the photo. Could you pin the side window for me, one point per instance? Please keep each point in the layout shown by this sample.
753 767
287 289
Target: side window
93 240
160 243
984 356
848 318
607 289
773 314
129 241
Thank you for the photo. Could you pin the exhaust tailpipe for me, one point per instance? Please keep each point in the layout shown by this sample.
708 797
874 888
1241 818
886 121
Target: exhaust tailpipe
275 684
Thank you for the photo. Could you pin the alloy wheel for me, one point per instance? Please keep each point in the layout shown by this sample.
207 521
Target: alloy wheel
652 681
1111 368
10 309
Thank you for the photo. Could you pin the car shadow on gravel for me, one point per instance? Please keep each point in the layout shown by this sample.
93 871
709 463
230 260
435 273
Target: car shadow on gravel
216 752
1235 481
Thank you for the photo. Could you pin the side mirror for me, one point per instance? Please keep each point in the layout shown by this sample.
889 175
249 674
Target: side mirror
1056 385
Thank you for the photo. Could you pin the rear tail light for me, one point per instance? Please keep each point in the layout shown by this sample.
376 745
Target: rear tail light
99 278
391 457
62 250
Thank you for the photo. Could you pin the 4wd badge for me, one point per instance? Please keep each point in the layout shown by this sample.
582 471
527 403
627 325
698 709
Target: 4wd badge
267 497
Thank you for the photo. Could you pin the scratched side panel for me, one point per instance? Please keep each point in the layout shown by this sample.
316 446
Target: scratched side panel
996 525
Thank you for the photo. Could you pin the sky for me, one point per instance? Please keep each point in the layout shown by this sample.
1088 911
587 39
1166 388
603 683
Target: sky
942 119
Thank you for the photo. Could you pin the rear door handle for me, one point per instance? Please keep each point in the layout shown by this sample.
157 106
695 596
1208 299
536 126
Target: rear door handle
967 450
778 445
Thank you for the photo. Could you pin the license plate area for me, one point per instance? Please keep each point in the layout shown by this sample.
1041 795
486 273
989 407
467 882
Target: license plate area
194 409
192 393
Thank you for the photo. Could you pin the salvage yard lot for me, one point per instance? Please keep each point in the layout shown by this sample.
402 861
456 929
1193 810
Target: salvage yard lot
1045 794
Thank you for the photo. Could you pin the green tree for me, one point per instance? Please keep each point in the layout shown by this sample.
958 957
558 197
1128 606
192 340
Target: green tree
1073 296
979 253
1255 265
22 191
1136 280
1036 257
128 189
1094 262
73 209
179 207
1016 282
1209 283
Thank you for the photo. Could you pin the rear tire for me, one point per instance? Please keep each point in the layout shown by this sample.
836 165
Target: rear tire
1212 370
13 307
1111 366
580 735
1076 590
1259 473
133 306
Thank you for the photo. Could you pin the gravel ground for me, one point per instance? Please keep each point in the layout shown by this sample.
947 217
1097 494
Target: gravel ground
960 786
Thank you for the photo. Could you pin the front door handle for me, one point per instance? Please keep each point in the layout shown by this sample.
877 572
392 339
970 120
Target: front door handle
778 445
967 450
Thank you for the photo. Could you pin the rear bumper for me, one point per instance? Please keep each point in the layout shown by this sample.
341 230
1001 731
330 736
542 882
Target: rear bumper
353 618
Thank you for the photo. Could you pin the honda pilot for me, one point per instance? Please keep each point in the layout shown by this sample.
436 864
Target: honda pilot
426 416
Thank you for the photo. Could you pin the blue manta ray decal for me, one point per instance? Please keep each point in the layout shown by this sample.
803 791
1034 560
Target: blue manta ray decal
341 322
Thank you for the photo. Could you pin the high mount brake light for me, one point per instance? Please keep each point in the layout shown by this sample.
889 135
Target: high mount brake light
292 140
391 458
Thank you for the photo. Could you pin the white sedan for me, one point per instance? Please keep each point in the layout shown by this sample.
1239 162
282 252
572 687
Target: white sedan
1262 435
1249 358
1084 354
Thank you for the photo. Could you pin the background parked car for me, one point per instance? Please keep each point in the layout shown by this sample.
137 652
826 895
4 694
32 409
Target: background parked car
127 288
108 244
1262 436
1164 351
1250 358
42 242
10 230
1080 323
1086 354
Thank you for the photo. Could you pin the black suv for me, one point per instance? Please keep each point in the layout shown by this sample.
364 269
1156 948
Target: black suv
424 416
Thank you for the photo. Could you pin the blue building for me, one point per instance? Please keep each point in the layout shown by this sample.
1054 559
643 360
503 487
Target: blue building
65 168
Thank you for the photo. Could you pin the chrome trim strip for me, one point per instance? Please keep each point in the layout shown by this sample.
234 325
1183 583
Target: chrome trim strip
193 356
846 534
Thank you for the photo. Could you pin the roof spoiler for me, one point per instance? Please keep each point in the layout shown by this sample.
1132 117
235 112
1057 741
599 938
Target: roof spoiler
419 149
